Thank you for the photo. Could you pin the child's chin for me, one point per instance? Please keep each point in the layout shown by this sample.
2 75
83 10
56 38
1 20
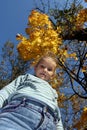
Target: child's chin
44 78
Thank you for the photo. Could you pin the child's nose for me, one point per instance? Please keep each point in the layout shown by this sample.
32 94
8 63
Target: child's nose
45 69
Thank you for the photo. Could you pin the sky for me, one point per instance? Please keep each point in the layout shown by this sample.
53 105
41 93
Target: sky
14 18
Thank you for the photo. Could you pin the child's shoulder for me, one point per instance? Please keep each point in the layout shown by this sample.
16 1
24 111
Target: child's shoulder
32 77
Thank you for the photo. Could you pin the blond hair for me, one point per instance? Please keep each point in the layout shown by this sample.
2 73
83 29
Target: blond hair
48 55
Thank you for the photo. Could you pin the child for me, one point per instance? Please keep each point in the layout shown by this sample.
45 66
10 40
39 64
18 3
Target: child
32 102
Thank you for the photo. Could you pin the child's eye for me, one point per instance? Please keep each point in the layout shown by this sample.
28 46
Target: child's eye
49 69
42 66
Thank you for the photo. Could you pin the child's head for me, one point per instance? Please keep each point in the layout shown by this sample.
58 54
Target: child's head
46 67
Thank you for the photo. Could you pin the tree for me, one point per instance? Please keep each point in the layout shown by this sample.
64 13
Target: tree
11 64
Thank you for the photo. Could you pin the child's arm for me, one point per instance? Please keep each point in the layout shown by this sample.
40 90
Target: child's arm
6 91
59 124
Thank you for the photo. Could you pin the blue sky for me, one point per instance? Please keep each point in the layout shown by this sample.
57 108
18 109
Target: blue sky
14 18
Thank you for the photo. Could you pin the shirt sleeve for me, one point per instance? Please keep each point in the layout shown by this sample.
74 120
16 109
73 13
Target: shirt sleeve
6 91
59 123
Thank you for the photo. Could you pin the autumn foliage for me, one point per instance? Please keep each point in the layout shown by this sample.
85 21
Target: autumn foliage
42 38
81 18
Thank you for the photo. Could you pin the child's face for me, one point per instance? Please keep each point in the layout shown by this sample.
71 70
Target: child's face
45 69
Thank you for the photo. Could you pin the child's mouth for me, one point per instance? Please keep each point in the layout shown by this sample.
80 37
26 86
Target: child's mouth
43 75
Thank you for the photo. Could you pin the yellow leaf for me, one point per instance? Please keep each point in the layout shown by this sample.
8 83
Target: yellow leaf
84 68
